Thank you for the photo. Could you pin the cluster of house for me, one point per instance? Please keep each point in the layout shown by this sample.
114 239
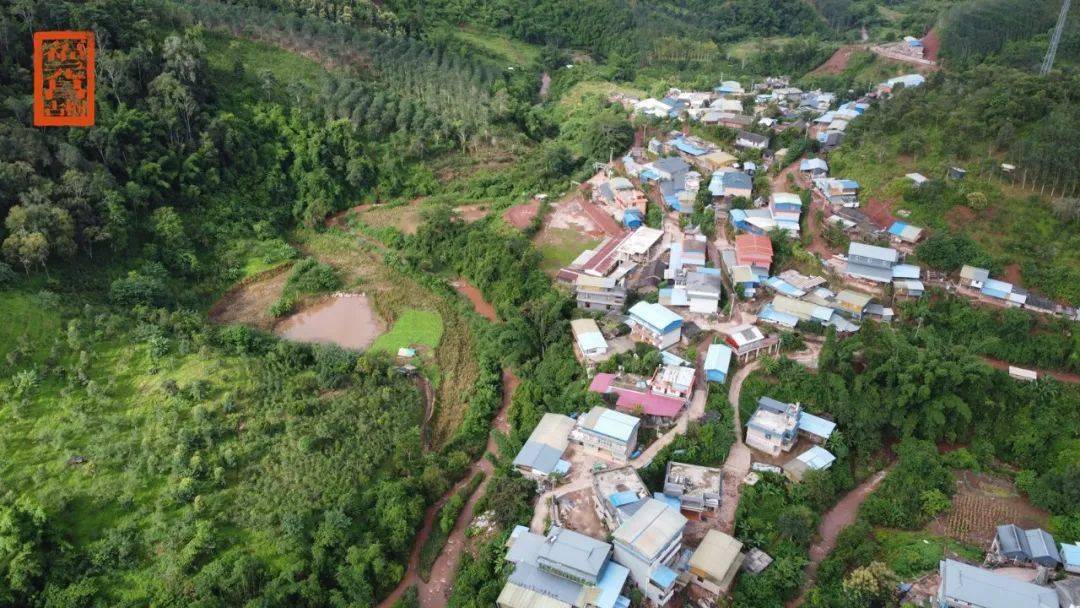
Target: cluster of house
602 276
967 586
776 427
564 568
782 213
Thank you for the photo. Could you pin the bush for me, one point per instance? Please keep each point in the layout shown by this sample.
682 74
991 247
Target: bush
311 276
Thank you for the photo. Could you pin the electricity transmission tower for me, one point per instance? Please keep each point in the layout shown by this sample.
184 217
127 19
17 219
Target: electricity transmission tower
1049 61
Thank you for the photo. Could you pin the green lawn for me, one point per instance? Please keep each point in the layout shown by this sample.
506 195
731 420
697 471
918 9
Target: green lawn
911 554
500 46
559 246
413 328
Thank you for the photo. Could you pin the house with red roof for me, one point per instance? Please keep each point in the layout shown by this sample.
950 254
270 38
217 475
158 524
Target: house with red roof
753 250
635 395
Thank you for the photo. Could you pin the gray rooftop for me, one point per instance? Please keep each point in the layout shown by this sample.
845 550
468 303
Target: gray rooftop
672 164
539 456
977 587
564 549
885 254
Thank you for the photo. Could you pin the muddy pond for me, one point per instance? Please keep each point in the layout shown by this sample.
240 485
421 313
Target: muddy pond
347 320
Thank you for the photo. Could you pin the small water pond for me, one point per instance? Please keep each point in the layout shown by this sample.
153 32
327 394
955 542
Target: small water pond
347 320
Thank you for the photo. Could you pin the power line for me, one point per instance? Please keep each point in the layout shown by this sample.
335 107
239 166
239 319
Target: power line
1058 29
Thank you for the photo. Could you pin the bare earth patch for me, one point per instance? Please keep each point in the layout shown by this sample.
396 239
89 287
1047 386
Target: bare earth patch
520 216
249 302
959 217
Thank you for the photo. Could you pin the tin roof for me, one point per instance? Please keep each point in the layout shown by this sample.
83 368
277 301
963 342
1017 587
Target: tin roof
978 587
650 530
604 421
718 358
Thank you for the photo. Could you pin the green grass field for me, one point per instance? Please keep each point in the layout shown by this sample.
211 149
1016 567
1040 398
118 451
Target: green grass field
912 554
499 46
413 328
559 246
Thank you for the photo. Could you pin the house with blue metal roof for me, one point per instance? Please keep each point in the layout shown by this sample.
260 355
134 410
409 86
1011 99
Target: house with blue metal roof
654 324
717 363
816 458
1036 545
731 184
607 433
776 426
1070 557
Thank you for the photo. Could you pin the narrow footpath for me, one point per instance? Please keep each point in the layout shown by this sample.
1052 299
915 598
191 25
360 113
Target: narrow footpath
739 458
836 519
436 591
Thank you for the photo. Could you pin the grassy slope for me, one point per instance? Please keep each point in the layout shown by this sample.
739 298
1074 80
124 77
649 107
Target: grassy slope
412 328
499 46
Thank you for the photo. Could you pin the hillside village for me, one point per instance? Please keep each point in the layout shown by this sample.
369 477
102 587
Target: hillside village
712 298
540 304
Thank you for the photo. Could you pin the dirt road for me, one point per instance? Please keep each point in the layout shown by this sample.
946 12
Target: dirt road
435 592
1062 376
836 519
739 458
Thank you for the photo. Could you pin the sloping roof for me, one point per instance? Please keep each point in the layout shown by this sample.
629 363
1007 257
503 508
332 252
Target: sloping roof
1042 547
780 318
684 146
650 529
885 254
782 286
610 585
853 299
918 178
906 271
717 556
546 443
974 273
718 358
815 425
656 316
722 181
1070 554
753 249
817 458
873 273
745 334
671 164
587 334
905 231
651 404
514 595
753 138
604 421
812 164
786 198
986 589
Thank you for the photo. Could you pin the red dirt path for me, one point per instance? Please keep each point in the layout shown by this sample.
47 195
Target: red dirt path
931 45
436 591
838 61
1062 376
836 519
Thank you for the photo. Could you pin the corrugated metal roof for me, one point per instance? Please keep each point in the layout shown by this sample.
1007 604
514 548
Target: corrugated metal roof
1070 554
974 273
650 530
718 358
656 316
817 458
716 555
616 425
906 271
885 254
625 497
873 273
664 577
978 587
816 425
780 318
610 585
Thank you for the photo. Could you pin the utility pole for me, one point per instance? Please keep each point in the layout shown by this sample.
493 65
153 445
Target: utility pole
1048 63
